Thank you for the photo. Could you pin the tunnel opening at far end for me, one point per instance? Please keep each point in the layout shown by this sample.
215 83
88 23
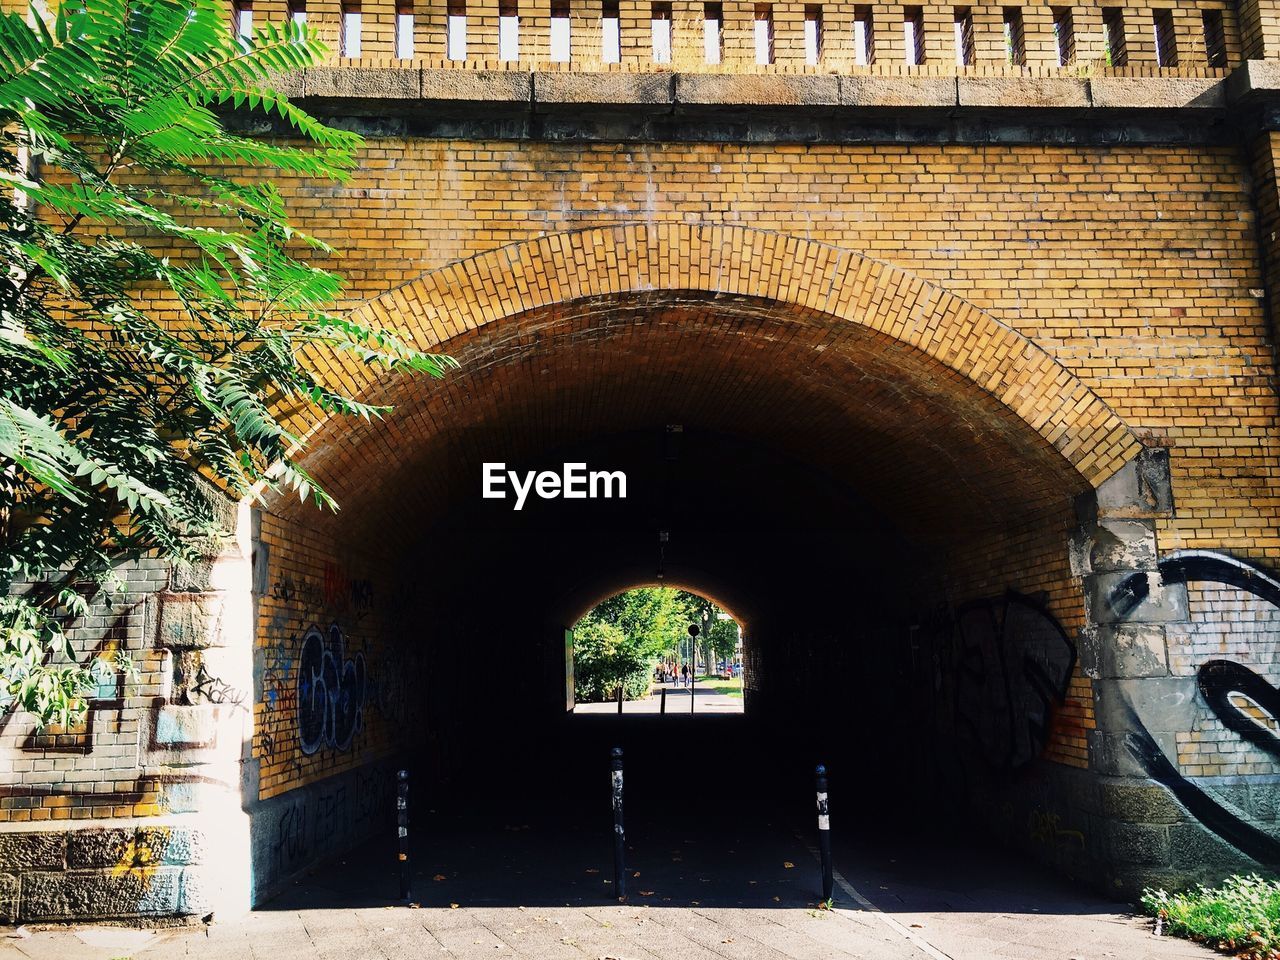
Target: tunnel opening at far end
655 649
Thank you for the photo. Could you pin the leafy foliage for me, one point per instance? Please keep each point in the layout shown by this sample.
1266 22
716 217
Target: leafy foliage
653 619
603 657
1242 916
157 311
718 635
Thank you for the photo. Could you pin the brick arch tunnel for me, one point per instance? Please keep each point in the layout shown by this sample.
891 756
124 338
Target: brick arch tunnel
881 482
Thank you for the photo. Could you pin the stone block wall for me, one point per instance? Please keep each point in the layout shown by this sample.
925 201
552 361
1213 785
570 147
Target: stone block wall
105 871
137 812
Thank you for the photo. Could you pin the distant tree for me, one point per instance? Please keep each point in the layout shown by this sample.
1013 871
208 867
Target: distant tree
717 635
722 639
653 618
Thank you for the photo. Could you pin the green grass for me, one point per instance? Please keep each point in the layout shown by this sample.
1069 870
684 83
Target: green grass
1242 916
732 687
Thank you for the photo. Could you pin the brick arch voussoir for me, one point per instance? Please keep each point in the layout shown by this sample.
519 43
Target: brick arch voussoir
803 276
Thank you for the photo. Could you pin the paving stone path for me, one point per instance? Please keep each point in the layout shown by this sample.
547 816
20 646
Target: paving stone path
544 894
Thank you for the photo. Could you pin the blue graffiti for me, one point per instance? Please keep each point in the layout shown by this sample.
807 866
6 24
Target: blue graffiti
331 692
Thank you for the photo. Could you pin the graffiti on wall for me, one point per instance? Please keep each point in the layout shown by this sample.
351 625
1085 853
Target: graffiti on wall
204 687
344 593
1222 684
300 591
330 692
325 820
313 692
1013 664
333 679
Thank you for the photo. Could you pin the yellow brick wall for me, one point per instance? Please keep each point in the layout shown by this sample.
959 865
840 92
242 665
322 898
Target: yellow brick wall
342 591
1135 267
378 36
1033 560
1252 31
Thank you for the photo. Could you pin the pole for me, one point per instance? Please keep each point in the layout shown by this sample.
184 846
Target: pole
824 835
693 662
619 833
402 829
619 697
663 708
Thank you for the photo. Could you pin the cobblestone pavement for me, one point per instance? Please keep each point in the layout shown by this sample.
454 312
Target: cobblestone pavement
697 891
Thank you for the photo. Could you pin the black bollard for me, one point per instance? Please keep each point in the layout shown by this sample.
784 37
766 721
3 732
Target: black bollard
663 707
619 698
402 829
824 835
619 834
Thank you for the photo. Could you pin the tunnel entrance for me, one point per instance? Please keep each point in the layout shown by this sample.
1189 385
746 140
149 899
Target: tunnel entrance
880 481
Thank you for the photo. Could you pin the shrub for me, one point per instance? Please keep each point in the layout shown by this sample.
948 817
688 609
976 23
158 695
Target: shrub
602 658
1241 916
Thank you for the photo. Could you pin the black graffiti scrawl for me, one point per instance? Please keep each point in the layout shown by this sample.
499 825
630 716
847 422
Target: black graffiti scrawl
1217 681
331 692
1014 663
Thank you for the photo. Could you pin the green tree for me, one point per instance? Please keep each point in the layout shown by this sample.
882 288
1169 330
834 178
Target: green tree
717 634
722 640
653 618
155 311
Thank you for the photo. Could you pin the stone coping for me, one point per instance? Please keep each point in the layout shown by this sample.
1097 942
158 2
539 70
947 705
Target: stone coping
670 92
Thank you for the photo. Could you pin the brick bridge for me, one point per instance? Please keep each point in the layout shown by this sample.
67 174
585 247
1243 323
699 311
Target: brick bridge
938 341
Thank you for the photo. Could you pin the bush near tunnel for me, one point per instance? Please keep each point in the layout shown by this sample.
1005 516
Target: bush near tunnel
602 659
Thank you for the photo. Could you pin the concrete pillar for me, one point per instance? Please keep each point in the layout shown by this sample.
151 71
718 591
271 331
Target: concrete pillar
203 723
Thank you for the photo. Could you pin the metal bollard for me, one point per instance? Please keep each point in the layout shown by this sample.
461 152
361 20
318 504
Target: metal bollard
663 707
402 829
619 698
619 833
824 835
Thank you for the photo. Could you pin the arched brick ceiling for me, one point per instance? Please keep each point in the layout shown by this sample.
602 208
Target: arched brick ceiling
699 262
934 452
